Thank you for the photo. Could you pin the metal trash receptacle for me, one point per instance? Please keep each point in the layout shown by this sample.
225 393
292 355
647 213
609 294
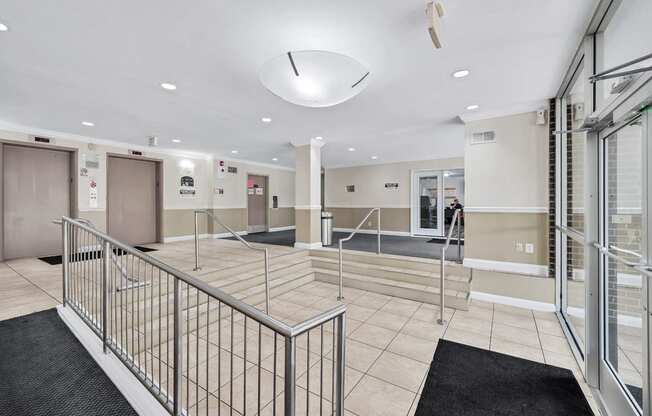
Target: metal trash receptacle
326 228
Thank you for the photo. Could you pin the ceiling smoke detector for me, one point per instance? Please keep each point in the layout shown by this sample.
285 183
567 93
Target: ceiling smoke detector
434 12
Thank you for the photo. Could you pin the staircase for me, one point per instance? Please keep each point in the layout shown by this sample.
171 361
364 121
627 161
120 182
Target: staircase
405 277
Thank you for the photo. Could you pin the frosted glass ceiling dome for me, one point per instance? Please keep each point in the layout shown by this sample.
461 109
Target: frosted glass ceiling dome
314 78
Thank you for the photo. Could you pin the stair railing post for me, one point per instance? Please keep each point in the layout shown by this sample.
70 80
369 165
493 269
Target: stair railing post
106 271
266 281
177 350
65 259
378 231
197 242
441 320
341 295
341 364
459 237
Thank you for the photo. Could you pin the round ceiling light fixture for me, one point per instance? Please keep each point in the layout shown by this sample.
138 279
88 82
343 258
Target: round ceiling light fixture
168 86
314 78
3 27
472 107
88 123
461 73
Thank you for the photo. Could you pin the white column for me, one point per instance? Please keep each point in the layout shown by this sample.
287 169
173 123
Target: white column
307 199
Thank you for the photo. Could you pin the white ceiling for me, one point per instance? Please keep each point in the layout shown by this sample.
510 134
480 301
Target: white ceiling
62 62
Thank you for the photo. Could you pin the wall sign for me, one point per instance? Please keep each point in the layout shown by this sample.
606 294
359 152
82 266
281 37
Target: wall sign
392 186
221 169
233 169
187 187
350 188
92 193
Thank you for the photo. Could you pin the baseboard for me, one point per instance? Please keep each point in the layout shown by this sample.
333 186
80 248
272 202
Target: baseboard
133 390
227 235
365 231
201 236
507 267
286 228
184 238
307 246
517 302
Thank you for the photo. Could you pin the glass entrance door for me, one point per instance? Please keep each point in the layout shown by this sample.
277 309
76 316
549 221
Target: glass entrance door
427 203
624 368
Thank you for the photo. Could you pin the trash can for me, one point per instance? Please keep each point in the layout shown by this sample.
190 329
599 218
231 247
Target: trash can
326 228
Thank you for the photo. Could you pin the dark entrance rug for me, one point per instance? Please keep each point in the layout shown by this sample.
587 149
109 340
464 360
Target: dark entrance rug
90 255
468 381
279 238
442 240
44 370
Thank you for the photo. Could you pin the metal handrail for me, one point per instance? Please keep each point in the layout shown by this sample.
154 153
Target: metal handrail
216 219
455 220
343 240
74 299
114 258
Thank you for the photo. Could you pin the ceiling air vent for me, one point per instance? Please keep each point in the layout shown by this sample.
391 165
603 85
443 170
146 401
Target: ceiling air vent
483 137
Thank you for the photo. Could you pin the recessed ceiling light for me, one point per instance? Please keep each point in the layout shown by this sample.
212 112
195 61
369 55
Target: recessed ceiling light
319 138
176 141
461 73
351 149
374 157
168 86
274 159
473 107
3 27
266 120
88 123
235 152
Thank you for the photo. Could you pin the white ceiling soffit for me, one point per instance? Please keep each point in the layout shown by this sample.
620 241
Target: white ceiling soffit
67 62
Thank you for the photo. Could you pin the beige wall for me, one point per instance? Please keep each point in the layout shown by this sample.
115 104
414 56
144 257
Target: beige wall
513 171
493 236
177 211
514 286
391 219
507 191
370 182
349 208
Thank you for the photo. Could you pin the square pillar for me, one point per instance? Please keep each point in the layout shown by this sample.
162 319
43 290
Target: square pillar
307 199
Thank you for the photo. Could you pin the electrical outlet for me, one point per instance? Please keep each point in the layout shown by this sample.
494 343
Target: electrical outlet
529 248
519 247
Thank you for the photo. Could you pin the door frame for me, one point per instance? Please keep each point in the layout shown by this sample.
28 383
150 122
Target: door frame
159 188
267 202
73 157
415 205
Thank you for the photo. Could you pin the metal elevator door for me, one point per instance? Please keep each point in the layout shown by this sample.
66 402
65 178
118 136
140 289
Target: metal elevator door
256 203
132 193
36 192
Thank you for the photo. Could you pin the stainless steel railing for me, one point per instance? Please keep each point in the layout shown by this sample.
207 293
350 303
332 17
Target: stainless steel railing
196 349
216 219
343 240
442 271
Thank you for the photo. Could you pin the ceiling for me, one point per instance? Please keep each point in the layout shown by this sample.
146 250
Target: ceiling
65 62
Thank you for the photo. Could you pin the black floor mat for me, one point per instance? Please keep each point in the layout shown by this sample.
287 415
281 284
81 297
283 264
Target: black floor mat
469 381
442 240
44 370
90 255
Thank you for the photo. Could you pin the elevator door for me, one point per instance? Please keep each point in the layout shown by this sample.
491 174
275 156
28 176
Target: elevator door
257 203
132 194
36 192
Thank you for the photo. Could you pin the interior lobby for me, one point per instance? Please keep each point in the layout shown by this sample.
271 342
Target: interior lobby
325 208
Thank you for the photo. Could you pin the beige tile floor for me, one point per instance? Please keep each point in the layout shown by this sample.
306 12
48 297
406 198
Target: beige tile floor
390 340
